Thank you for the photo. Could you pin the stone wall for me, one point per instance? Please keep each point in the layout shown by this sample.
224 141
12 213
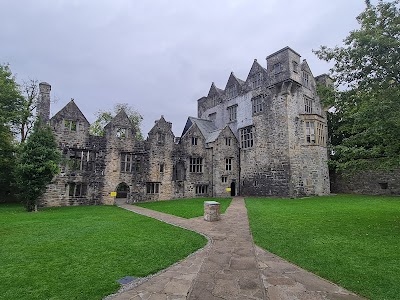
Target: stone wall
367 182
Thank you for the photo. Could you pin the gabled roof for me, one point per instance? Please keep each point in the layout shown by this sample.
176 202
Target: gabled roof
233 80
206 127
70 111
121 119
305 67
214 91
256 68
161 123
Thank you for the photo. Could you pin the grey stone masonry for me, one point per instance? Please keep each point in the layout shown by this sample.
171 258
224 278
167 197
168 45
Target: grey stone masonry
212 211
263 136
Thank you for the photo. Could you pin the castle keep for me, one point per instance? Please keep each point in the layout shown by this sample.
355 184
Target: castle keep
265 136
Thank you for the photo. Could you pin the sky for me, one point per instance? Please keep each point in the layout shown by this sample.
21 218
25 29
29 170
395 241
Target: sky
159 56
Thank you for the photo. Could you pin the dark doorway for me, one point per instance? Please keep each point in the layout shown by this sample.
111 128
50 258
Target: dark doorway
122 190
233 189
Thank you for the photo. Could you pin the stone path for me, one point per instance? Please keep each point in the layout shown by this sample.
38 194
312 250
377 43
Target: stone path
229 267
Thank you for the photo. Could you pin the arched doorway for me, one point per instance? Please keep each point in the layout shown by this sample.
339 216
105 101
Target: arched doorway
122 190
233 189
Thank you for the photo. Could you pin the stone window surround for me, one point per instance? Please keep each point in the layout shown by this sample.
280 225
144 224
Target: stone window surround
194 140
257 104
81 159
306 78
196 165
77 189
201 189
314 130
231 91
247 137
308 105
228 163
71 125
228 141
160 138
224 179
232 112
161 168
256 80
121 133
152 187
277 68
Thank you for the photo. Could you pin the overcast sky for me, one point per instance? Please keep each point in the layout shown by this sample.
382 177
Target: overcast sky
160 56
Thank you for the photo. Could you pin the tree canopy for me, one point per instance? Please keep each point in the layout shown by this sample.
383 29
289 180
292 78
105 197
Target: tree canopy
36 165
104 117
365 119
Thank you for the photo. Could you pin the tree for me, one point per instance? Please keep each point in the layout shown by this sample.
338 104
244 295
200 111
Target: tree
30 92
37 163
104 117
11 102
366 104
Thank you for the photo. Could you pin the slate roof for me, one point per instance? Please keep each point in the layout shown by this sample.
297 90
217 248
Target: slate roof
206 127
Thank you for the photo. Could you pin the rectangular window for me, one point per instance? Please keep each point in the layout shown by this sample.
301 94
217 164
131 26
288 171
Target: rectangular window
295 66
228 164
201 189
196 165
231 91
310 132
232 111
161 138
126 162
212 117
277 68
194 141
138 165
161 168
256 80
77 189
70 125
224 179
81 160
306 81
257 104
152 187
121 133
308 105
315 133
246 137
228 141
214 100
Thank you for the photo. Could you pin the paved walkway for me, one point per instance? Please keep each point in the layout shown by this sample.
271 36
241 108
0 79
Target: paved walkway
229 267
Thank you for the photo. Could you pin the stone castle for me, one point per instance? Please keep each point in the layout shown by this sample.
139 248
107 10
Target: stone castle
265 136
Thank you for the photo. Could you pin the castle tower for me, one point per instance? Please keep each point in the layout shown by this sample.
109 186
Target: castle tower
43 105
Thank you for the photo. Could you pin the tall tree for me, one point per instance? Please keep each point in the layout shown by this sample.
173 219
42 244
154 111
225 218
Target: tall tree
30 92
37 163
11 103
366 104
104 117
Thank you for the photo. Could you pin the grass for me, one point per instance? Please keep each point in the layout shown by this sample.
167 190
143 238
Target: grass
80 252
185 208
352 240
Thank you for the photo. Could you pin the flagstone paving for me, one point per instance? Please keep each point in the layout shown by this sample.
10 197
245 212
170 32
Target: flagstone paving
229 267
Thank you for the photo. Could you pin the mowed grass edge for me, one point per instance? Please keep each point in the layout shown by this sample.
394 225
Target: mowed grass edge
185 208
80 252
351 240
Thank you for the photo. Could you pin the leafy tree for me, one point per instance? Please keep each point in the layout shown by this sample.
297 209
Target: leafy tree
366 105
104 117
11 100
37 164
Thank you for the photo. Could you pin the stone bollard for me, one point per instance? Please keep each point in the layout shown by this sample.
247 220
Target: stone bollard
211 211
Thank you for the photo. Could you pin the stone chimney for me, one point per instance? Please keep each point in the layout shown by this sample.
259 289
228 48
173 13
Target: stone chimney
43 105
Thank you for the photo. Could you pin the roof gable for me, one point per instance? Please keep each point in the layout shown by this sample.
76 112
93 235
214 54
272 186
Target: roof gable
214 91
255 69
70 111
234 81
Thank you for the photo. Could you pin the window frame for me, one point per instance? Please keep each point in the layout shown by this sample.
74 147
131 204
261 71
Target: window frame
247 137
196 165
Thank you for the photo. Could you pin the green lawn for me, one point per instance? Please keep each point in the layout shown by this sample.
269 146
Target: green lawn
80 252
185 208
352 240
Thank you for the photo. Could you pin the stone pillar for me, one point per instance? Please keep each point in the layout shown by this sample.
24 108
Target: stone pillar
211 211
43 105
